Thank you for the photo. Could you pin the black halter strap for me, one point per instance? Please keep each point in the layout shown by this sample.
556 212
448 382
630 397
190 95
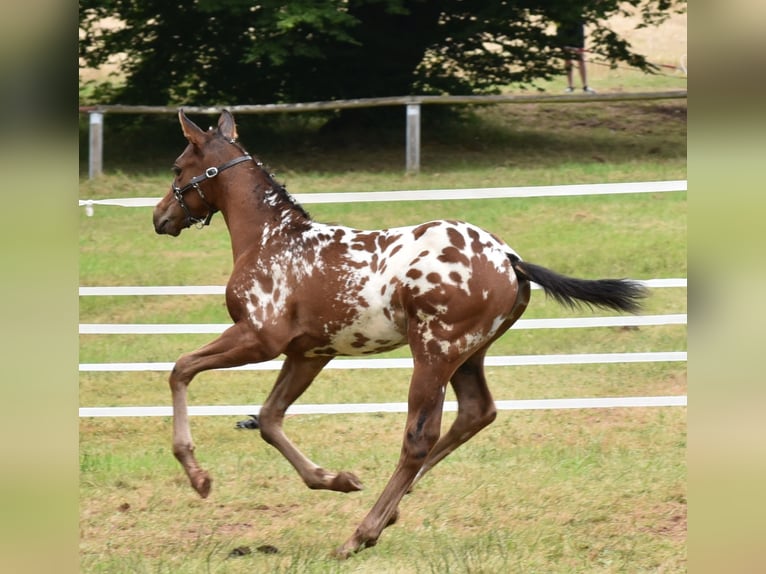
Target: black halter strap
210 173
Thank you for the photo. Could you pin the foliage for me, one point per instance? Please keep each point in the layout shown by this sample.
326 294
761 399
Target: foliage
208 53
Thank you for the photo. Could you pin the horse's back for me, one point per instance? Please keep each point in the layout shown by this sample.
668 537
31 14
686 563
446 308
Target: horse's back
450 277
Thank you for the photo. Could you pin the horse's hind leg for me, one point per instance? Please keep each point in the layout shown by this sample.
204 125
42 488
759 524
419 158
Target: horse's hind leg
296 375
476 410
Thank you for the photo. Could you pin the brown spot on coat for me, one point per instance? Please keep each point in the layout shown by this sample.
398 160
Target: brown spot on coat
421 229
360 340
385 241
456 238
453 255
364 242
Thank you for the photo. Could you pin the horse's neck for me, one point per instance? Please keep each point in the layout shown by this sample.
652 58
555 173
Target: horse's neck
262 216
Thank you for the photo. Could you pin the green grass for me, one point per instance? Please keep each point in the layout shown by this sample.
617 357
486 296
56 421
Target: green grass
540 229
538 491
571 491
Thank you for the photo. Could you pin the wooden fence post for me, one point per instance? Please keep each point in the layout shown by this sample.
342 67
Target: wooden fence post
96 150
413 138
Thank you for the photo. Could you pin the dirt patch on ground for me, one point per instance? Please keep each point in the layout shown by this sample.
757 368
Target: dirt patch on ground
669 519
672 111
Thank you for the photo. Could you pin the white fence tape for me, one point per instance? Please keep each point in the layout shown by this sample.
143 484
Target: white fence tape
406 363
217 328
497 361
221 289
446 194
362 408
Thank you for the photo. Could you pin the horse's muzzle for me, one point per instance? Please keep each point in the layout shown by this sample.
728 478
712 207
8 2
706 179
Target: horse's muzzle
164 221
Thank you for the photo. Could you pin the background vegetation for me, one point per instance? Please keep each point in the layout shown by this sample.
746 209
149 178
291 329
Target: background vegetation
233 51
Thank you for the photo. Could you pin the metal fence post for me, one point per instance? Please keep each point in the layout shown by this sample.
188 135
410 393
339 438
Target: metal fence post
413 138
96 149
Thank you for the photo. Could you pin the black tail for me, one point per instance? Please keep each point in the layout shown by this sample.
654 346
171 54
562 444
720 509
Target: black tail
618 294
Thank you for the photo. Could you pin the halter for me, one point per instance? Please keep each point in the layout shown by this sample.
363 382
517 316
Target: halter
210 173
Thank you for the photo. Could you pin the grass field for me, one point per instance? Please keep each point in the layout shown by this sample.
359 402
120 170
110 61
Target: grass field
538 491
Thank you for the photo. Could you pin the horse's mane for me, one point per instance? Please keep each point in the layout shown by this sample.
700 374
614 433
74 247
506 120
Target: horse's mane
281 190
276 187
285 195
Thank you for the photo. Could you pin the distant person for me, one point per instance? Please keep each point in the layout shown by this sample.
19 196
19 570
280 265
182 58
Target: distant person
571 35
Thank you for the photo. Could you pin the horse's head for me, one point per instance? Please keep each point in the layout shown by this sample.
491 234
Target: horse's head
193 195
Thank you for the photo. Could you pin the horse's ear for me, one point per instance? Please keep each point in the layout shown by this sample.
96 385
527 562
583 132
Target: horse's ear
226 126
191 130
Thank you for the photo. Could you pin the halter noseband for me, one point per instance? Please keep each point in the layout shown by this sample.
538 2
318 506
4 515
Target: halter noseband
210 173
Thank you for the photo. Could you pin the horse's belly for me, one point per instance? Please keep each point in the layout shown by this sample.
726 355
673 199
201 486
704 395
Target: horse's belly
372 331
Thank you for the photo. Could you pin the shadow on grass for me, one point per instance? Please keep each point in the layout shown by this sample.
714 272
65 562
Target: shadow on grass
527 135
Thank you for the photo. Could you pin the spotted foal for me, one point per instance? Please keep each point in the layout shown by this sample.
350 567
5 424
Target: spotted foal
311 292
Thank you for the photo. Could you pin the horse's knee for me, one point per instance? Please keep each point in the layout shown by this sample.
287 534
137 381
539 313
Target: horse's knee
181 375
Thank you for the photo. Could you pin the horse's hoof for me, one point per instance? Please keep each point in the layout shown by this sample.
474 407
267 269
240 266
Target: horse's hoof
251 423
202 483
346 482
343 552
352 546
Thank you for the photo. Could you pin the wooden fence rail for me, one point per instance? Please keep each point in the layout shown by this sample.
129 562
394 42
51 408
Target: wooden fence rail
412 106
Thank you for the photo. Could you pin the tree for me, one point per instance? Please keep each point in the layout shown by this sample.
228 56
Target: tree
208 52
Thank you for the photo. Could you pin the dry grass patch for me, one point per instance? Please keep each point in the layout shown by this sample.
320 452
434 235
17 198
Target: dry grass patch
575 491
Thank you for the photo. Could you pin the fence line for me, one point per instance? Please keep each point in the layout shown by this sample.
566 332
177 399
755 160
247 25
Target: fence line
369 363
412 105
363 408
406 363
391 101
153 290
441 194
218 328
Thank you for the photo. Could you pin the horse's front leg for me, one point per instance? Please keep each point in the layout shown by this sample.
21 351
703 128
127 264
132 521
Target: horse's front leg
295 377
236 346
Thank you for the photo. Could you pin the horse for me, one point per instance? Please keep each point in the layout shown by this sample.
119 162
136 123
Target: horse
312 291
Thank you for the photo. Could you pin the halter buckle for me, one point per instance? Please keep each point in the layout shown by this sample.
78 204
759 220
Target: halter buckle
210 172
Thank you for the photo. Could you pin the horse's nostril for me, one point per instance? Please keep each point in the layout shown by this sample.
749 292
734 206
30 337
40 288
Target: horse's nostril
161 226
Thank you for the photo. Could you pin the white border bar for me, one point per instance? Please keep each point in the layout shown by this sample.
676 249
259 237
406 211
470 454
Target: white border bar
406 363
361 408
221 289
445 194
217 328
